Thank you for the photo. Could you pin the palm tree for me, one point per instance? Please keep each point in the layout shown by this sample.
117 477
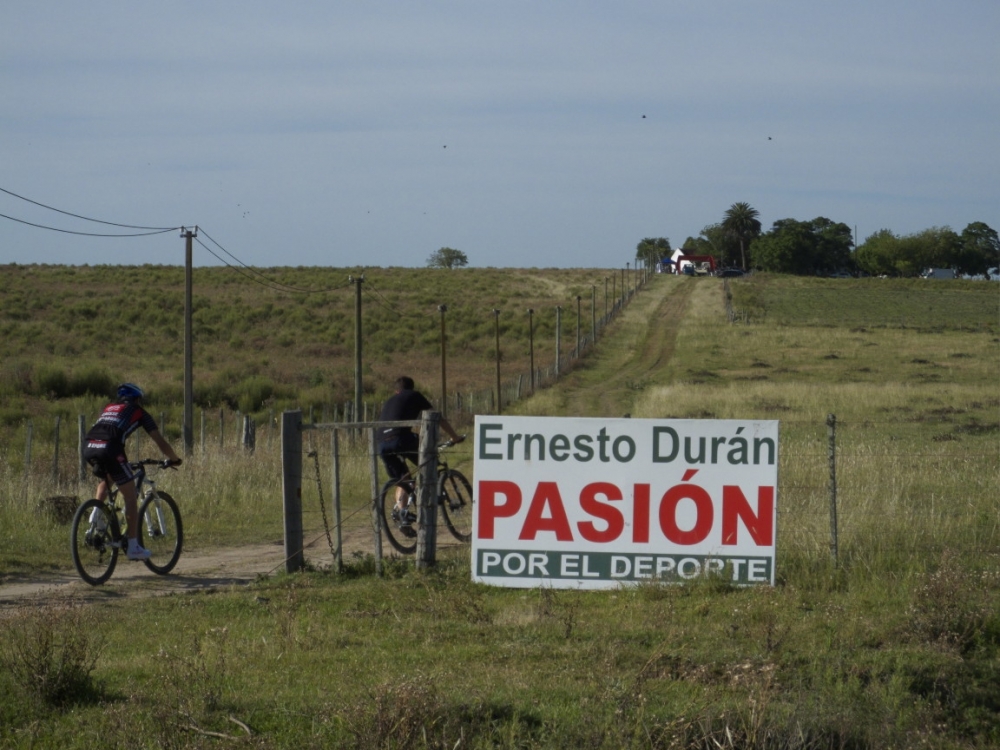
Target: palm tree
741 222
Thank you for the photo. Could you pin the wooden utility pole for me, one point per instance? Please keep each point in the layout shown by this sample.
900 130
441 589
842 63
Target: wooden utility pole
558 339
593 314
578 325
496 326
531 346
187 429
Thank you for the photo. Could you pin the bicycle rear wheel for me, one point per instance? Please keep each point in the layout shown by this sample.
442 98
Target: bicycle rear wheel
455 498
94 541
161 531
392 524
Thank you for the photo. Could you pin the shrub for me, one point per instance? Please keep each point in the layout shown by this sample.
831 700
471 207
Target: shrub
252 393
50 654
93 381
51 382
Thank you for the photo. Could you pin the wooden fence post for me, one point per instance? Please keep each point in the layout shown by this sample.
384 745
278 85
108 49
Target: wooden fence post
249 434
81 428
376 519
29 434
55 453
831 423
291 488
338 559
427 502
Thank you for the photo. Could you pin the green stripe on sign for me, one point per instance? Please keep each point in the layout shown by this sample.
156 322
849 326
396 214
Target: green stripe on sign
614 566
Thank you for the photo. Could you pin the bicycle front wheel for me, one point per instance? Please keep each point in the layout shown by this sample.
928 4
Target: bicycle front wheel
161 532
401 532
455 497
94 540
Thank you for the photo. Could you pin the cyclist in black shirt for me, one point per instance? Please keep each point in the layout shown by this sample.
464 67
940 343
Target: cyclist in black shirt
105 452
399 444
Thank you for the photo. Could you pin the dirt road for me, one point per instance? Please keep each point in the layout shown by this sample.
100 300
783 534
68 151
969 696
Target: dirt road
633 351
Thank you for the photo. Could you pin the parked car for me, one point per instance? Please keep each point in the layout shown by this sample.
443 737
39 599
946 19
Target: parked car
730 273
939 273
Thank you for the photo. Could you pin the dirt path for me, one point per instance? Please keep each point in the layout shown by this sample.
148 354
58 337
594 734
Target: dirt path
631 355
196 571
633 351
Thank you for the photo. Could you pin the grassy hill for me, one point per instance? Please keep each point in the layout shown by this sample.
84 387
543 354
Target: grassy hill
275 337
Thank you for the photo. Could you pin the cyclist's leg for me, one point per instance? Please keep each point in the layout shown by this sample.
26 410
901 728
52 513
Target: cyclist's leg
120 472
394 456
130 496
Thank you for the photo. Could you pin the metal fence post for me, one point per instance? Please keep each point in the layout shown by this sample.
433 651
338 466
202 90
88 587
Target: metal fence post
291 488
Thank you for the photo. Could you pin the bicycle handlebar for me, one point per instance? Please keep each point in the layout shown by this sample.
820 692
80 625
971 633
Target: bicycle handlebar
165 463
449 443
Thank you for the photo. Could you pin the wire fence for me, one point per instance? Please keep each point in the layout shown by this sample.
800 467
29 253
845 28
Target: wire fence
846 490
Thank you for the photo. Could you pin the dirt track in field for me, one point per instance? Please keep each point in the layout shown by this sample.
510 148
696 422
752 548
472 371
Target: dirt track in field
634 363
653 317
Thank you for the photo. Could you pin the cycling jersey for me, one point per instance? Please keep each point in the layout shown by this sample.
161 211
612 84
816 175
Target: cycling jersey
118 421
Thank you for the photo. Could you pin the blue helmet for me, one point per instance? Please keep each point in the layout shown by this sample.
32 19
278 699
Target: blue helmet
129 391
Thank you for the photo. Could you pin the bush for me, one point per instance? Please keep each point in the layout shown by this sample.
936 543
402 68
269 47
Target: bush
92 382
51 382
50 654
252 393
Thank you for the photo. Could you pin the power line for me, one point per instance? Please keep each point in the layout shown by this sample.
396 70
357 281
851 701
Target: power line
263 281
381 300
153 230
89 234
253 274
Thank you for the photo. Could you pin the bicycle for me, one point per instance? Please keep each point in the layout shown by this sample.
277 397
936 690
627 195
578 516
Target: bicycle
454 499
96 536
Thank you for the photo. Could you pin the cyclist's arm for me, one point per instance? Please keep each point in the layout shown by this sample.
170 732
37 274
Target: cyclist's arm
446 426
164 446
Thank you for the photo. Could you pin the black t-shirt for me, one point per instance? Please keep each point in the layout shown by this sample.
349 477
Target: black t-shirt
403 406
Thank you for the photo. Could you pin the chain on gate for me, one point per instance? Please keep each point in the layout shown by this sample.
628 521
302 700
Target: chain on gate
322 505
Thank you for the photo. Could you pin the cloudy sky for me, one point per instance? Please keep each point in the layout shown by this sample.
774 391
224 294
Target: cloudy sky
542 133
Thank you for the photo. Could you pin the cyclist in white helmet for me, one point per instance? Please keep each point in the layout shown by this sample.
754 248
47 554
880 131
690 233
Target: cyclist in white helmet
105 451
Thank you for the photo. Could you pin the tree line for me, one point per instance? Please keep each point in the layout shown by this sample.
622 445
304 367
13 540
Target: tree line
824 247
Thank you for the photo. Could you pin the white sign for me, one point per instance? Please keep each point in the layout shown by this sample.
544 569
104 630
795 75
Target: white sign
597 503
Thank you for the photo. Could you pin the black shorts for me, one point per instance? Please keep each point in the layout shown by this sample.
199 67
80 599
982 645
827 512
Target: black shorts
397 450
108 461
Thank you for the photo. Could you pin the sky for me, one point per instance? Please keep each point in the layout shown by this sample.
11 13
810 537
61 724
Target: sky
545 133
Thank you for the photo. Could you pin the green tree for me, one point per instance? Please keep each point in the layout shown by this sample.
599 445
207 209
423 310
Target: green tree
652 250
741 221
879 253
819 246
980 249
447 257
936 247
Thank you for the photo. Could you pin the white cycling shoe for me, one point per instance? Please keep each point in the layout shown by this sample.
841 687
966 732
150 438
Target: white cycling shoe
137 552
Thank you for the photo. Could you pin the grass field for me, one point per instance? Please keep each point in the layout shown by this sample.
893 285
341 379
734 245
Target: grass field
894 644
